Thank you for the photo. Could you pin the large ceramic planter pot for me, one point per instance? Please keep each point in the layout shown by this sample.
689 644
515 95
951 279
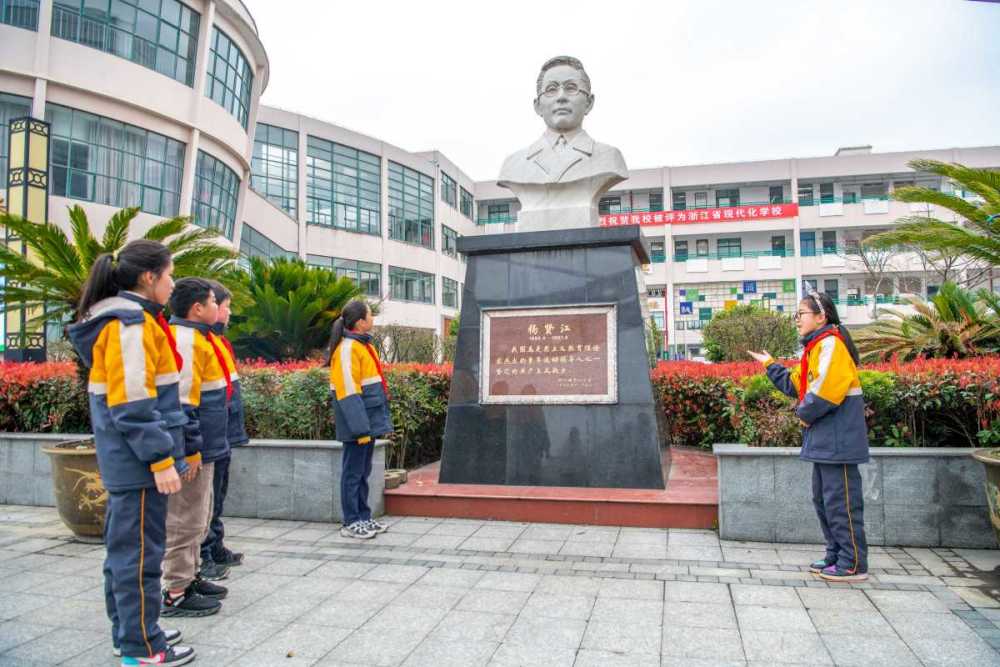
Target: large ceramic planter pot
991 459
80 495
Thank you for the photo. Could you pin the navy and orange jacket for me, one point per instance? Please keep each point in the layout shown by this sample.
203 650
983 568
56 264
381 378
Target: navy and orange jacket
833 407
360 403
135 409
237 416
203 389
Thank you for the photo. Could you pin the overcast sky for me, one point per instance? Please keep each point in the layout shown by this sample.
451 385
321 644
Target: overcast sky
677 82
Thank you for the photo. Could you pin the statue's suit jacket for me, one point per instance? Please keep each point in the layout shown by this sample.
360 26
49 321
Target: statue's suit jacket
541 164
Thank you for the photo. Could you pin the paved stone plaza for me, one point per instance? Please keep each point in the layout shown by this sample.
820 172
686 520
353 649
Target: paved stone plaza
463 593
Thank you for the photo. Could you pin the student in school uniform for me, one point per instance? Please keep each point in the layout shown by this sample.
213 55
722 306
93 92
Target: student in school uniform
831 408
205 389
216 558
123 339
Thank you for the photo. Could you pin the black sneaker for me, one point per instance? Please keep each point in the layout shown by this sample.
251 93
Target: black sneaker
209 590
358 530
213 571
229 558
376 527
189 604
818 566
172 637
177 655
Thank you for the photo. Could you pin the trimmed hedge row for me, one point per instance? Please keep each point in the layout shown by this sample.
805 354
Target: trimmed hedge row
933 403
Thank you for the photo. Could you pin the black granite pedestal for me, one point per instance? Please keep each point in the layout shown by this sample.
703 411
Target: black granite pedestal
586 445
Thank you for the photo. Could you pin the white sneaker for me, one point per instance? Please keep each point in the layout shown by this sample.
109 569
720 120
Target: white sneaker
376 527
358 530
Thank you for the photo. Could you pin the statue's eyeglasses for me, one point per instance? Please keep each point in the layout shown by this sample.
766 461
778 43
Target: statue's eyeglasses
571 88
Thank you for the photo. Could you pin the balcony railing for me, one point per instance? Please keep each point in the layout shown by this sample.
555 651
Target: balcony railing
20 13
497 220
787 252
816 201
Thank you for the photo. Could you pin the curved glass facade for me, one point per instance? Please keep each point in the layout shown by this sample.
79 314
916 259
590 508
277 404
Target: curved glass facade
255 244
276 166
229 81
159 34
105 161
343 187
216 192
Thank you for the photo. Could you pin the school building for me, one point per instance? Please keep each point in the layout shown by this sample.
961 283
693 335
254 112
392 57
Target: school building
156 104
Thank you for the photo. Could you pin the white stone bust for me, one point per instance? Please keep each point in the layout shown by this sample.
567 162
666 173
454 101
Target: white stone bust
560 178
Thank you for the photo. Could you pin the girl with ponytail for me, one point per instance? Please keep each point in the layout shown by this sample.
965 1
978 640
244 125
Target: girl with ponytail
125 342
831 408
360 412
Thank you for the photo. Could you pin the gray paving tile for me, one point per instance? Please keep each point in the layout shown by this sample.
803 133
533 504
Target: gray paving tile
292 566
239 632
621 638
397 574
586 657
768 618
55 647
420 596
916 625
820 598
404 619
707 553
301 640
525 546
765 596
631 588
585 549
934 652
521 655
689 591
785 647
855 622
558 606
434 652
509 581
14 633
460 625
706 643
374 648
563 585
542 631
349 614
918 601
493 601
857 651
698 615
626 611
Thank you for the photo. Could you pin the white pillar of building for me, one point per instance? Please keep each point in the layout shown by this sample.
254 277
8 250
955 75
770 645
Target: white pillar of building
43 38
194 136
793 169
668 249
300 190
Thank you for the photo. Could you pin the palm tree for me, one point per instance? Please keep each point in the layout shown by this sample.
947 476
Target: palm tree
290 310
954 323
48 281
978 238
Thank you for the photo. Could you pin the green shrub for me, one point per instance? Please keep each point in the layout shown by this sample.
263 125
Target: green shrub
732 332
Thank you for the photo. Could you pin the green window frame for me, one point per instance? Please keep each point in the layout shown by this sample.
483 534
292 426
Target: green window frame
255 244
497 212
449 292
411 285
366 275
449 190
216 193
729 197
468 203
343 187
20 13
608 205
11 106
275 166
657 252
807 243
161 35
411 206
655 201
449 241
732 247
98 159
229 80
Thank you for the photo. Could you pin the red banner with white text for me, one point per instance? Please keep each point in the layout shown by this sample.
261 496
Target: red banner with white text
725 214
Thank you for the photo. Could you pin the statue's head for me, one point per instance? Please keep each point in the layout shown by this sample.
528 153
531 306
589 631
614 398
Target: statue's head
563 94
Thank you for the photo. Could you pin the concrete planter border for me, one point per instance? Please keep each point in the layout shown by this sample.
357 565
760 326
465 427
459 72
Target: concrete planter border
926 497
295 480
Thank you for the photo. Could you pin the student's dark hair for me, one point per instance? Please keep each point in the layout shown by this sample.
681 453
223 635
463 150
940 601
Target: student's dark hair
187 292
111 274
353 312
222 292
820 302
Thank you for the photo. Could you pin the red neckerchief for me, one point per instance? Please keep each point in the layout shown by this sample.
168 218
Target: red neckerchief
804 363
162 321
229 346
378 366
222 362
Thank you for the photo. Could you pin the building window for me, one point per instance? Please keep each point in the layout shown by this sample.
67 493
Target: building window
255 244
276 166
216 191
680 251
410 285
701 200
343 187
850 197
20 13
873 191
808 242
498 213
680 201
411 206
776 194
449 292
778 246
655 201
449 241
810 285
826 193
701 247
366 275
609 205
829 242
832 288
468 203
657 252
160 35
728 197
11 106
730 247
108 162
806 195
932 290
230 80
449 190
